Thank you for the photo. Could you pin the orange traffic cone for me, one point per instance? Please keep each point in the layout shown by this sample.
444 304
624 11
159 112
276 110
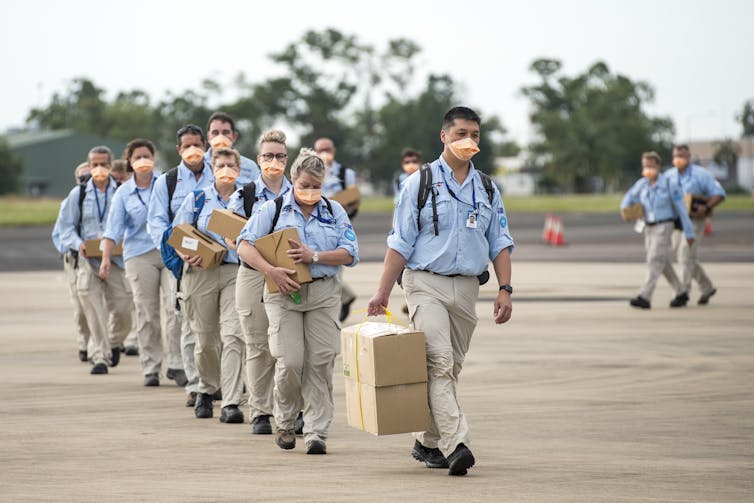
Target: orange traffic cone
708 227
547 232
557 234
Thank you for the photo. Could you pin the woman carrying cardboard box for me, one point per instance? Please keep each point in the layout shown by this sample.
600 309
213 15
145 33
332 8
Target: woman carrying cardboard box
304 329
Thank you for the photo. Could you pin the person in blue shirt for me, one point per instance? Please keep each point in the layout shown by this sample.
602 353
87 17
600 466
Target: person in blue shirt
210 299
706 193
338 178
222 133
193 173
70 261
304 335
662 202
260 365
444 266
106 303
148 276
411 161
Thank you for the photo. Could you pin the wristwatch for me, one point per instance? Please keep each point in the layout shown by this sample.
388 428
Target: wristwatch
507 288
315 258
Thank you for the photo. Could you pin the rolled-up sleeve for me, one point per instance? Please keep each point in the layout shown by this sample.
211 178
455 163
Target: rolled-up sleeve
405 231
346 235
116 219
69 218
632 196
498 235
259 223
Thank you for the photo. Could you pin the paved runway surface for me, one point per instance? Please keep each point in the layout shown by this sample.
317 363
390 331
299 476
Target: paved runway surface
578 399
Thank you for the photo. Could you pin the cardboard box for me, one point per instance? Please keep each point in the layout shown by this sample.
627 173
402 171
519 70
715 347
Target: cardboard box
95 247
347 196
691 200
387 410
189 241
273 248
633 212
387 354
226 223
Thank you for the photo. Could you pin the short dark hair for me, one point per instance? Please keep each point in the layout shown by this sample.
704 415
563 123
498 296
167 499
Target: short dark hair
682 146
460 113
133 145
222 117
189 129
654 156
410 152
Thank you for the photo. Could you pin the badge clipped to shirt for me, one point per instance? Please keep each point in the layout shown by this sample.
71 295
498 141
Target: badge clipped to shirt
471 219
651 217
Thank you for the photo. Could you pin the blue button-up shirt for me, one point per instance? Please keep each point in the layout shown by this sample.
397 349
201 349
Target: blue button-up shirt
249 169
127 220
212 201
157 216
697 181
263 193
332 183
399 183
661 202
322 231
457 249
94 211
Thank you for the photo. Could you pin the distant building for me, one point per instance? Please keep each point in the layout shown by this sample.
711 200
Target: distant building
741 175
49 158
514 177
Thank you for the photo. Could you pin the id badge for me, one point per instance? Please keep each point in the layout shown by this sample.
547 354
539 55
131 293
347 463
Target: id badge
651 216
471 220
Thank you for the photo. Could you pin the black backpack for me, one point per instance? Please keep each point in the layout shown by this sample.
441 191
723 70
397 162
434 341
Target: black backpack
82 196
171 179
279 207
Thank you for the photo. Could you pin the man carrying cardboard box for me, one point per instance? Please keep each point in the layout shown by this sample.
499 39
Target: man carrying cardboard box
445 248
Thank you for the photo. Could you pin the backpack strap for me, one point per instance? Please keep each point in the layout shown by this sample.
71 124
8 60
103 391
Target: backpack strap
425 189
489 186
342 177
329 206
249 194
278 209
171 179
199 199
82 196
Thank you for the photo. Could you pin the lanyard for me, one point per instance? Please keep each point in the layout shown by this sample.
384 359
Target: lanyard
100 211
453 195
328 221
652 195
150 192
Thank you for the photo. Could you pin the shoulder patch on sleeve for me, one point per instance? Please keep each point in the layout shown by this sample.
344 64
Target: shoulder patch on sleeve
350 235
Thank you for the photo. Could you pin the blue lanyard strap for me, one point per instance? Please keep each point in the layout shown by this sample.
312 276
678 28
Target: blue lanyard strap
453 195
138 194
319 217
100 211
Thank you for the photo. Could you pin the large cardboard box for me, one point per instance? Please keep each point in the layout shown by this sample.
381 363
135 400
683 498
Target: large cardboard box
273 248
347 196
633 212
189 241
387 410
384 354
226 223
95 247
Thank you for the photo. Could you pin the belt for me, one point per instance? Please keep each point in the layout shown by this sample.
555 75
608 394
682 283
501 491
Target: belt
659 222
321 277
438 274
247 266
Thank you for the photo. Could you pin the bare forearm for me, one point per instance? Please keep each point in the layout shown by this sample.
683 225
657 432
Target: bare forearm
394 264
107 249
339 256
502 265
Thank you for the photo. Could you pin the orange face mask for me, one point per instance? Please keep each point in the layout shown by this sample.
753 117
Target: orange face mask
192 155
226 175
410 167
464 149
680 162
272 168
221 141
650 173
100 174
142 165
309 196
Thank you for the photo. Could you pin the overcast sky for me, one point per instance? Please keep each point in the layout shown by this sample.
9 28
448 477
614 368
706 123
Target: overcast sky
698 55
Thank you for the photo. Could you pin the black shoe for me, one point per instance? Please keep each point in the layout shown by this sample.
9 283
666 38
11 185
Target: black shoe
316 447
152 380
115 356
680 300
83 356
640 302
298 425
704 299
345 309
203 407
191 399
218 395
260 425
99 368
460 460
178 375
286 439
231 414
433 458
131 351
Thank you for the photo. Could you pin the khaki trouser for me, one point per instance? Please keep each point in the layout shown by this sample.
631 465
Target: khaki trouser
107 306
657 243
210 301
79 319
260 365
304 339
346 292
444 308
687 258
149 278
187 339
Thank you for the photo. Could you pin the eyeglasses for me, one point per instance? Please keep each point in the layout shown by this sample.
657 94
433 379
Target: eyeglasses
270 157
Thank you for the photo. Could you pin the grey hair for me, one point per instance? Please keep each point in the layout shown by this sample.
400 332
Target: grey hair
101 149
308 162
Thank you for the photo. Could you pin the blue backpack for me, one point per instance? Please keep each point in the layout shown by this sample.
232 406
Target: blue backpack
170 257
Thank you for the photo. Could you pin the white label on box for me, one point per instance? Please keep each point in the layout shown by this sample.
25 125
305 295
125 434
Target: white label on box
102 246
190 243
